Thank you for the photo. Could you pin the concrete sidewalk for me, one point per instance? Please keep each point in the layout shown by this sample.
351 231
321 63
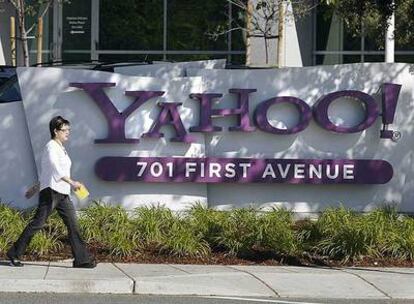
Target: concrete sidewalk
246 281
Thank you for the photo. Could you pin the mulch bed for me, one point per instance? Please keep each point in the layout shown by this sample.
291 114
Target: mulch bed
220 258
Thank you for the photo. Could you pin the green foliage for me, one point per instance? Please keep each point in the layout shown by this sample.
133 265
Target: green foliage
339 233
244 231
276 232
48 240
152 224
12 223
401 242
344 235
181 241
239 231
131 24
350 242
110 226
374 15
381 224
11 226
43 243
55 226
162 231
206 223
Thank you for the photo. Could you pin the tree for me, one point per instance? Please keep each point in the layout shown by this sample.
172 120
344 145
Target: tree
26 9
370 18
264 19
371 14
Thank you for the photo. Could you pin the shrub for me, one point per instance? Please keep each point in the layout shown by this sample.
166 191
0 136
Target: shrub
345 235
182 241
239 232
93 221
308 233
55 226
381 224
12 223
11 226
276 232
400 243
109 226
43 243
152 225
339 233
206 223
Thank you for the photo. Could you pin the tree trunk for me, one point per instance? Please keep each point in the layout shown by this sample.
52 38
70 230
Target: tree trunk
281 34
25 48
249 32
22 27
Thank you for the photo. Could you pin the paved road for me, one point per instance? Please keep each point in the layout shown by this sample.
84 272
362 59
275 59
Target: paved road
50 298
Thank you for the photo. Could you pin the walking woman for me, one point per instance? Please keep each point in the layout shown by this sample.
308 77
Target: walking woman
54 185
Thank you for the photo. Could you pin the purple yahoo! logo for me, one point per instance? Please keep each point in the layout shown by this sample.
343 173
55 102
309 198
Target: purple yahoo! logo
169 114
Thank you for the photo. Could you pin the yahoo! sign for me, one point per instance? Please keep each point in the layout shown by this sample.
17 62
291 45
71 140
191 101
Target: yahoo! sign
244 170
169 114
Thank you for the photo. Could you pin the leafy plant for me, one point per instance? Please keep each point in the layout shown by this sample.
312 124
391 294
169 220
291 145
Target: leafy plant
403 246
110 226
44 243
181 241
11 226
239 231
152 224
339 233
207 223
276 231
55 225
344 235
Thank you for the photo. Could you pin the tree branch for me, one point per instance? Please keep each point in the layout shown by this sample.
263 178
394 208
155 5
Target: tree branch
41 15
15 4
215 35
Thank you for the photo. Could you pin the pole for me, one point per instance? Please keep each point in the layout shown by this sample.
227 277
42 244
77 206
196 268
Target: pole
281 35
13 40
39 40
2 60
389 37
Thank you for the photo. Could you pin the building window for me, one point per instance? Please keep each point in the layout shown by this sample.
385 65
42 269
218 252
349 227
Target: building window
174 30
131 25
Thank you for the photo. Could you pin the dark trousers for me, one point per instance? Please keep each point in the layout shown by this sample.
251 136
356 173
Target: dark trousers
49 200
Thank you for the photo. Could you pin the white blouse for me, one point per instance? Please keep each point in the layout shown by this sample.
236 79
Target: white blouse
55 164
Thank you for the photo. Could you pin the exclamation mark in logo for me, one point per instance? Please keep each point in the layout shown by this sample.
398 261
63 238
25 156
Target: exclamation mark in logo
390 93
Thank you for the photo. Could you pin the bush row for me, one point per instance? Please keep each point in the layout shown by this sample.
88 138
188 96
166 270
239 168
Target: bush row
339 233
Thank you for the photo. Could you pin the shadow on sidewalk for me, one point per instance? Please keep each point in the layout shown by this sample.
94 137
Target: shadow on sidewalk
46 264
379 270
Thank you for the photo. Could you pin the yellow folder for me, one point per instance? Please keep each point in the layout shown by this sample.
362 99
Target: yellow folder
82 193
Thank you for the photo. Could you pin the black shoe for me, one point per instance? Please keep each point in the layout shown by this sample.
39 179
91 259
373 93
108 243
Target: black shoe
15 262
91 264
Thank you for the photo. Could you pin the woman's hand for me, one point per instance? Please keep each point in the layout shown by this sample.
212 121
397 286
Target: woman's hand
33 189
76 185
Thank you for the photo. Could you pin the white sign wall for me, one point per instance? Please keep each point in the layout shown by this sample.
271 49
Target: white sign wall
310 84
169 70
46 93
17 167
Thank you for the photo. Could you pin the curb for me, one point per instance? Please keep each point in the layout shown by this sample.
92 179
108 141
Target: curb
67 286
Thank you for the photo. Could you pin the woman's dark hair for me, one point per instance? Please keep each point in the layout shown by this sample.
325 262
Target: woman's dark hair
57 123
